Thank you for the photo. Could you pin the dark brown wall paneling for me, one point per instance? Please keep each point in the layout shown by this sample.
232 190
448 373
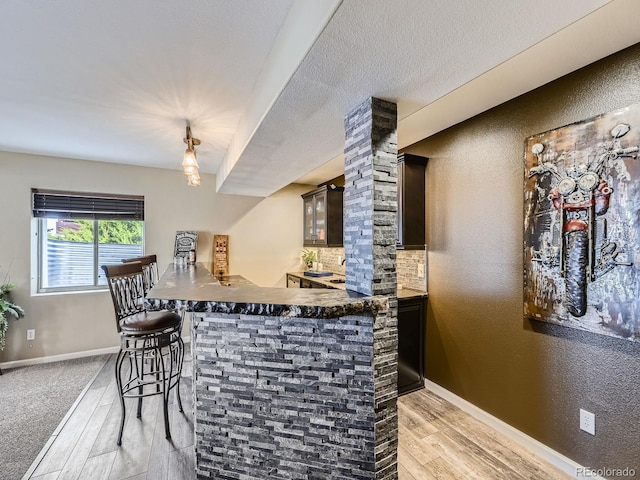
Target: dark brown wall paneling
532 375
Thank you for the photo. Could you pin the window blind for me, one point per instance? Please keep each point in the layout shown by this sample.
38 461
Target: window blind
97 206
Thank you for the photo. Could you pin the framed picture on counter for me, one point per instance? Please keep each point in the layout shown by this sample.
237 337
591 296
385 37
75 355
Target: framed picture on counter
185 242
221 255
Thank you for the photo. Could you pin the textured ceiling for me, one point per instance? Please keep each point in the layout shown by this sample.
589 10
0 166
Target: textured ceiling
115 80
266 83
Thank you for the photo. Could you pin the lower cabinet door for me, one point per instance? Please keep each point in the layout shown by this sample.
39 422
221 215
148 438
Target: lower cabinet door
411 339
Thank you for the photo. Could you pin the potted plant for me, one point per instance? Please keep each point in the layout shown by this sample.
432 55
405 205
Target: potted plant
308 257
7 309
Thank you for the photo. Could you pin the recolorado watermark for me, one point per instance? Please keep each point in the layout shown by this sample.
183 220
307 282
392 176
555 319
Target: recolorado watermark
585 472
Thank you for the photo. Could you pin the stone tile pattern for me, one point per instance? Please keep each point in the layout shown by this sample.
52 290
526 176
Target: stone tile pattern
370 215
371 197
286 397
407 269
331 259
406 265
385 365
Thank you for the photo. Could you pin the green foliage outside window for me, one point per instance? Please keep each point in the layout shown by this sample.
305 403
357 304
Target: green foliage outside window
109 231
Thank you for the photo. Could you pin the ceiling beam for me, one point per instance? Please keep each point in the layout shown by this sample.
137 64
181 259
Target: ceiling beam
304 24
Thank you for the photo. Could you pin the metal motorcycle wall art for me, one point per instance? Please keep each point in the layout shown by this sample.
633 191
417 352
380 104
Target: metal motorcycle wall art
582 225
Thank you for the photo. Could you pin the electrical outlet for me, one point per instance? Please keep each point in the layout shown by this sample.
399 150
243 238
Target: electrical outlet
421 270
31 334
587 422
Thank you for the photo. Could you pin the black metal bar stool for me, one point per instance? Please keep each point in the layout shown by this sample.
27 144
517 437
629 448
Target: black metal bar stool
150 341
149 269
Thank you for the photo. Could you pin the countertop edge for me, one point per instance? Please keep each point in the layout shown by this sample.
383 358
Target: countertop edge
338 308
402 293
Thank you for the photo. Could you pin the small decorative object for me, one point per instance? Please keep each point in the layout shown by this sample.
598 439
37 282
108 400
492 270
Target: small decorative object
221 255
185 242
582 225
309 257
7 309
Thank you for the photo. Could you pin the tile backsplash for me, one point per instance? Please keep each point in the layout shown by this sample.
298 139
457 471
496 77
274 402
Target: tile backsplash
407 266
407 262
331 259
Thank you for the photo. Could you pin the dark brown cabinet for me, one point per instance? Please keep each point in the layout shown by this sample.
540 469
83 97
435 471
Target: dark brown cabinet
323 217
306 283
411 340
294 281
411 201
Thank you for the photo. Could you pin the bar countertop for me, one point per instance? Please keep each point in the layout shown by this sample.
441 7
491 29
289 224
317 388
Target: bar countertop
331 281
194 289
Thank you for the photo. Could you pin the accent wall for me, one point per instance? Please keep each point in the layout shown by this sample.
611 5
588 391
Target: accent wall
534 376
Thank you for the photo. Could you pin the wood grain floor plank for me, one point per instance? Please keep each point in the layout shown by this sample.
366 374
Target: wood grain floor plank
404 474
483 461
65 442
133 456
47 476
413 444
429 405
110 394
98 468
181 426
182 463
80 454
409 462
414 421
161 449
439 469
182 422
509 452
478 448
105 375
106 441
457 459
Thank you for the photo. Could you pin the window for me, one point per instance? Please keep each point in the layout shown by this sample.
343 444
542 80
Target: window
79 232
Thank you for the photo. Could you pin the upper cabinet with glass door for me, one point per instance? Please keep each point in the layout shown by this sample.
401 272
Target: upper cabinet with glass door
323 217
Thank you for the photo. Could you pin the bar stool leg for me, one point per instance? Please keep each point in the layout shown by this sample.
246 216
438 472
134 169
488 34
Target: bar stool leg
119 361
139 361
166 388
178 352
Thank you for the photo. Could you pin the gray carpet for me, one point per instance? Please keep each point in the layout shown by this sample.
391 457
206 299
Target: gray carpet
33 401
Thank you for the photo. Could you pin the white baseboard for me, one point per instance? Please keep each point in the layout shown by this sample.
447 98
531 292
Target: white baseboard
64 356
534 446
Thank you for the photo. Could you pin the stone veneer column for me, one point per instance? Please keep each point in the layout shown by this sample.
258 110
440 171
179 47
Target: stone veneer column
370 232
371 197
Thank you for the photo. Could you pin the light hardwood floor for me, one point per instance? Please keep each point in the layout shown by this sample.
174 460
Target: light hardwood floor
436 441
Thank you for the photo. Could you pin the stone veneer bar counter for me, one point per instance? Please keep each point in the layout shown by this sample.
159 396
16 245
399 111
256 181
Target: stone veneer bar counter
288 383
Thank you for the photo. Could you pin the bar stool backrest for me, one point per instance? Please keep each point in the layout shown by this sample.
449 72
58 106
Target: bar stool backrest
126 285
149 269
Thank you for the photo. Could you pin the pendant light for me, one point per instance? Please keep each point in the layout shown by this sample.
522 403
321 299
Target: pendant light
189 161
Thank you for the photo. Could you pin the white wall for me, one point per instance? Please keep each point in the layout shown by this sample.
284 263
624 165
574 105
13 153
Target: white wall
265 237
